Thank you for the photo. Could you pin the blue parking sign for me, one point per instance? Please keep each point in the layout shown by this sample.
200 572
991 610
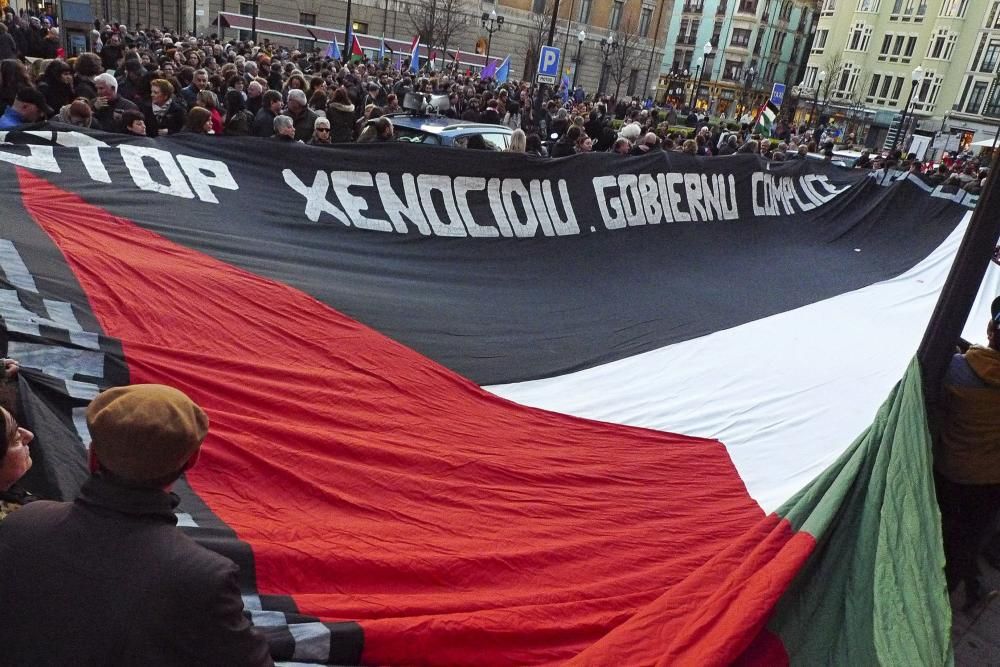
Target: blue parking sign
777 94
548 61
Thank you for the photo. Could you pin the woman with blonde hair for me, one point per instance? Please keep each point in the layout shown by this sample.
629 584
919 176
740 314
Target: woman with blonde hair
518 142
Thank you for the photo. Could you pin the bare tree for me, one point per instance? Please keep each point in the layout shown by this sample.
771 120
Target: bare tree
538 34
438 21
856 111
833 66
626 57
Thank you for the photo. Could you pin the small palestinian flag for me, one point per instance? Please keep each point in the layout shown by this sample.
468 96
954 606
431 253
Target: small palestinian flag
356 52
765 119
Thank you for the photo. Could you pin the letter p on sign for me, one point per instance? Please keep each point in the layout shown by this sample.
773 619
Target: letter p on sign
548 62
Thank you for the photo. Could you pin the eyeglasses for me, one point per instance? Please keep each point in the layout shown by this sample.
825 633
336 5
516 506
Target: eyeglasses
322 129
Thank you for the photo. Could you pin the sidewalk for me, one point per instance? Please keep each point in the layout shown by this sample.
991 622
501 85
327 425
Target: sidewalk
976 635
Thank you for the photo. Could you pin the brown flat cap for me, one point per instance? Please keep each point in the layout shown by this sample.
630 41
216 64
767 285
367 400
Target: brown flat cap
145 432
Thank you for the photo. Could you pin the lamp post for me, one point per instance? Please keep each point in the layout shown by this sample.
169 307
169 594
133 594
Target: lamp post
819 86
916 76
748 77
491 23
694 89
579 47
608 46
253 23
348 31
703 62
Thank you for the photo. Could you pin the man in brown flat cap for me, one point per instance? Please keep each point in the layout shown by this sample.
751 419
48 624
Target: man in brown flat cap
109 579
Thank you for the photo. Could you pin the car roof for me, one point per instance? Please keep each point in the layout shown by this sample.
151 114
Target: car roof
434 124
838 159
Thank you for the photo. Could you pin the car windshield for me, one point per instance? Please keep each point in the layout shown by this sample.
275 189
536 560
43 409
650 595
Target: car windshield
414 136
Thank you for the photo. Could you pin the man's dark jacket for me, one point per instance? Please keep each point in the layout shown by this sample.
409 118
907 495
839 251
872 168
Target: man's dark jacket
110 580
109 118
263 123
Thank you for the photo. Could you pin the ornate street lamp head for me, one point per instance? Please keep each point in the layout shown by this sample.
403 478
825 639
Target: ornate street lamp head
581 37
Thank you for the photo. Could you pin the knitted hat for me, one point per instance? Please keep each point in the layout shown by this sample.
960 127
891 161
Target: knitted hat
145 432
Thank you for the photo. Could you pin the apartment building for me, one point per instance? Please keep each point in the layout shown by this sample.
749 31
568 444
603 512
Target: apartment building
975 116
868 56
753 44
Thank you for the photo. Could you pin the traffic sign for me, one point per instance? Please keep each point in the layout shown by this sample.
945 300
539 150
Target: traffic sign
548 62
777 94
541 78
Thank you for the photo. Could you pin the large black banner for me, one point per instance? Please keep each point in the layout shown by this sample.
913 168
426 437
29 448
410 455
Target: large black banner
412 239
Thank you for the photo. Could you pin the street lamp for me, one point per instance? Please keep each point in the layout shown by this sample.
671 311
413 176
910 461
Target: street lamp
608 46
253 23
707 50
748 76
916 76
694 90
491 23
819 87
579 46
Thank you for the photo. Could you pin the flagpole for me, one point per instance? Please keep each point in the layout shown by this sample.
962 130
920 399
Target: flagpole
960 289
347 32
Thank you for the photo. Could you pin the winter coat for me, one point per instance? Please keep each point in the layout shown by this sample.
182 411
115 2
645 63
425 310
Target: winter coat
239 124
341 118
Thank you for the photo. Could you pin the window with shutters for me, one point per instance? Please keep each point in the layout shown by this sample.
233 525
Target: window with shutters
645 18
954 8
858 38
926 95
991 54
819 43
617 8
992 108
942 44
976 97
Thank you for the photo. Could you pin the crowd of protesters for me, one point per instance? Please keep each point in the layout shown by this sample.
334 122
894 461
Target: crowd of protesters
155 82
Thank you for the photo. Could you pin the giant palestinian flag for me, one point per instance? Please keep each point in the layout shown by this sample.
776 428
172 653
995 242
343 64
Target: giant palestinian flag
475 408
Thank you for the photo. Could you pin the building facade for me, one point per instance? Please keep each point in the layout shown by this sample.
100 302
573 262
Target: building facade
637 28
870 58
975 116
754 44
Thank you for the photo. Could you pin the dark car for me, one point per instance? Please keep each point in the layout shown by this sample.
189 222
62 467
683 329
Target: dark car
443 131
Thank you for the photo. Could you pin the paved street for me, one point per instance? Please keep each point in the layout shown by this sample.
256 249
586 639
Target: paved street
977 634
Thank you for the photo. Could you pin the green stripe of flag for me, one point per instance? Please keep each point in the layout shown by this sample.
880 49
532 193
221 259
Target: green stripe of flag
873 592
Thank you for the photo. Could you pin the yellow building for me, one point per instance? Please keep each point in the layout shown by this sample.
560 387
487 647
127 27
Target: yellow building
869 58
